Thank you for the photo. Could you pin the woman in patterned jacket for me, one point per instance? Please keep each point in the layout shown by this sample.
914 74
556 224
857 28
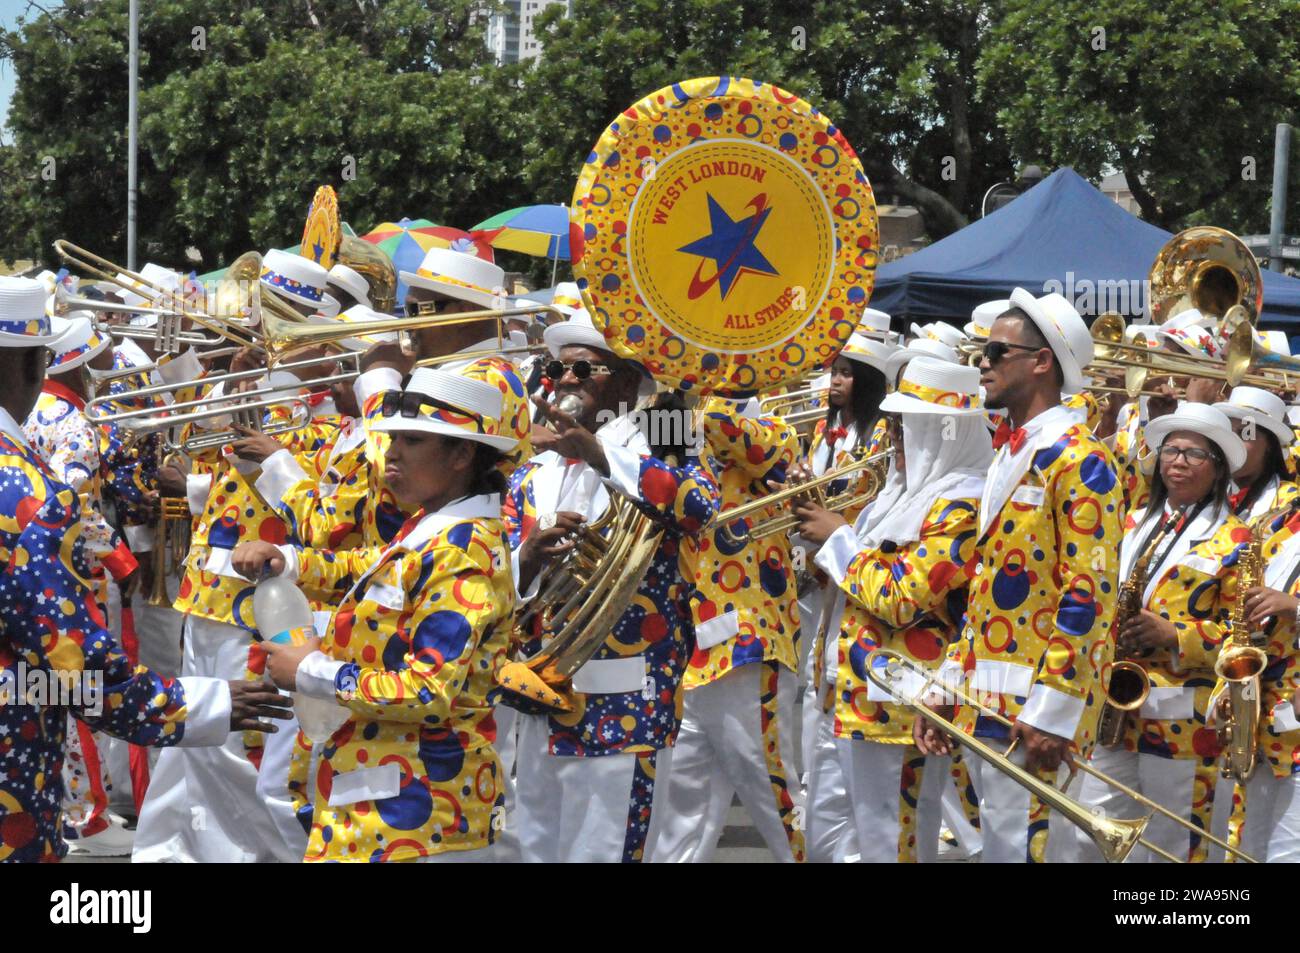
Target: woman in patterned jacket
413 649
1168 752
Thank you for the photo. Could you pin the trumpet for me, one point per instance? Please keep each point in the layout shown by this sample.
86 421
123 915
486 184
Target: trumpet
872 465
780 405
1114 837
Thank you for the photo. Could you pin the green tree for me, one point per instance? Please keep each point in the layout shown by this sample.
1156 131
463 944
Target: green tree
1181 97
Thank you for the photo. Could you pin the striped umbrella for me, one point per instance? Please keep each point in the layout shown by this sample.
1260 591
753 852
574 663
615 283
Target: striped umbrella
538 230
407 240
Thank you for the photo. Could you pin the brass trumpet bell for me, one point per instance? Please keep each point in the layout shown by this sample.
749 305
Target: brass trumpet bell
1206 268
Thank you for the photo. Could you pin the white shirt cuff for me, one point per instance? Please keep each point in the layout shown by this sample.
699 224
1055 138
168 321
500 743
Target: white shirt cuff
196 491
184 367
207 711
280 472
139 538
840 549
375 381
1052 711
291 568
624 469
315 676
533 587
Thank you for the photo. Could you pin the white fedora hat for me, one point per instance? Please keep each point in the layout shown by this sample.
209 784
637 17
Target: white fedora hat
869 351
930 386
577 331
23 321
455 406
983 316
1202 419
170 281
1275 341
79 341
568 298
1064 330
355 284
923 346
874 324
459 275
1265 409
359 314
299 280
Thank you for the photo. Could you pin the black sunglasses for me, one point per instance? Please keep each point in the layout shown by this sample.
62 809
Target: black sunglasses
581 369
997 350
408 403
417 309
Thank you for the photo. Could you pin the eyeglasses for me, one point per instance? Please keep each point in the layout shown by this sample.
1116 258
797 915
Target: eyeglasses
997 350
417 309
410 404
1194 456
581 369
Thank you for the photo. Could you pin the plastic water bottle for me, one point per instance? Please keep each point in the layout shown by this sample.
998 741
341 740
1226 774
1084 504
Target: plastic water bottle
284 616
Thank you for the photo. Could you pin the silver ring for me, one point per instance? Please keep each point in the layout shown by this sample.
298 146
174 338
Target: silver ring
546 522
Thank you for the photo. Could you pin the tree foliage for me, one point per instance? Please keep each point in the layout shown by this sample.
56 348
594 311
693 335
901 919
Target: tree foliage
247 106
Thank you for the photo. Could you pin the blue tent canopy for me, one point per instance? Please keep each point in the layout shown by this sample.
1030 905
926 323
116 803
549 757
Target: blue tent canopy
1062 235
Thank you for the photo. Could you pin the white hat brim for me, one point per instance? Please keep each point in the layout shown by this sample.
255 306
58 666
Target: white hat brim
483 298
900 403
564 334
85 358
399 424
1234 451
1071 371
1284 434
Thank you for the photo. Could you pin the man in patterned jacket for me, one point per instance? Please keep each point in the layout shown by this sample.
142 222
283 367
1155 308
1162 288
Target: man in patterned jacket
588 780
1043 595
53 631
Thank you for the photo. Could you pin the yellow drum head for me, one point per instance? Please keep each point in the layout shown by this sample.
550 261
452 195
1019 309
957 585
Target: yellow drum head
724 234
323 232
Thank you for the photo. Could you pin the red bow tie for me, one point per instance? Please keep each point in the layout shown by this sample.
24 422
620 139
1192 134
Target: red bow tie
1004 434
1235 499
315 400
836 434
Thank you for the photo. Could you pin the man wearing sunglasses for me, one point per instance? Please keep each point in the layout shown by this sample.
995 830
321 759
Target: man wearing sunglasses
1043 595
588 783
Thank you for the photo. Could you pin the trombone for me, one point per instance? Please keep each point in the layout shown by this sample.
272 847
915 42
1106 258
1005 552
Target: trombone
873 465
1114 837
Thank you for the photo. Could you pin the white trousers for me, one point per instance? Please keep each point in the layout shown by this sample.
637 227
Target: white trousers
581 810
506 848
272 789
203 804
1005 824
1170 782
728 746
832 835
810 611
1272 831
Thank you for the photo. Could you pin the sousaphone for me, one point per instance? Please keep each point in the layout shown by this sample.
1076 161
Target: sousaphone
725 236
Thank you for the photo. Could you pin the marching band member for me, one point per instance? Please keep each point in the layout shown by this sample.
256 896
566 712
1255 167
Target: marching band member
204 806
349 288
418 639
1271 831
736 736
590 783
901 575
1041 601
858 384
1187 542
53 623
1263 483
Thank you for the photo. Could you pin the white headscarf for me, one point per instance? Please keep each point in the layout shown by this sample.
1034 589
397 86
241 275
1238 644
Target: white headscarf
947 458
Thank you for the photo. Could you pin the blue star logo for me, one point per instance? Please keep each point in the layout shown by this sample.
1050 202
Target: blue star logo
731 246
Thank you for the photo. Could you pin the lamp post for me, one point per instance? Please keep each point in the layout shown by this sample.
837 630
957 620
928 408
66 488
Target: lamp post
133 70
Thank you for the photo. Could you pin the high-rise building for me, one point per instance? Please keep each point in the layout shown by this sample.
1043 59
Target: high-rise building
510 35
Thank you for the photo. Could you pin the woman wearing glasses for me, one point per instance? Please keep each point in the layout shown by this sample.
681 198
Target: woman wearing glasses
412 650
1189 542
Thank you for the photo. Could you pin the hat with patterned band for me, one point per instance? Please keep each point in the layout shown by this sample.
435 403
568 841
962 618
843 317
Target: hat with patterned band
442 402
1265 409
459 275
23 321
869 351
930 386
359 314
1201 419
567 298
299 280
355 284
924 346
79 341
983 316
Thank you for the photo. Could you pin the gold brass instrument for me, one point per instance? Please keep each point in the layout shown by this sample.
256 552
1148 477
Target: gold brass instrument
1114 837
168 329
171 544
1206 268
374 265
1241 660
873 467
779 405
169 339
1128 686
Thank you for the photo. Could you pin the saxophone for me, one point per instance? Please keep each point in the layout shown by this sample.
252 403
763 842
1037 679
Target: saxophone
1241 660
1128 687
